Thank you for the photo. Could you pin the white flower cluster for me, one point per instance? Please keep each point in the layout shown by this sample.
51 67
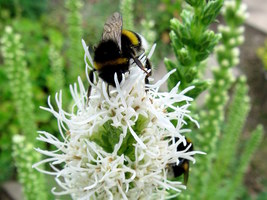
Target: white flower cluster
233 35
120 146
241 9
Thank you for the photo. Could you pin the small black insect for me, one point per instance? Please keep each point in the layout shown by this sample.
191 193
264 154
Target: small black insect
183 166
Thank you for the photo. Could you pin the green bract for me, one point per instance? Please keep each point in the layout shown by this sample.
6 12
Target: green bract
108 136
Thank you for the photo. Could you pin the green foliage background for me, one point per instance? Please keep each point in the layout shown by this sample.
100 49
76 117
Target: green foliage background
50 35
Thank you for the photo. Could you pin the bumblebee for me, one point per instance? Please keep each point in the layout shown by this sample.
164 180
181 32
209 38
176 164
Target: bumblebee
183 167
114 51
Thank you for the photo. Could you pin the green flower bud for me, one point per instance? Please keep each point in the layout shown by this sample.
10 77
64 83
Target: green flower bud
176 26
191 74
211 11
176 42
184 57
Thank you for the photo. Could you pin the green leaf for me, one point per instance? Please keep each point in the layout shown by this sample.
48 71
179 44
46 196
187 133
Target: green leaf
139 126
108 136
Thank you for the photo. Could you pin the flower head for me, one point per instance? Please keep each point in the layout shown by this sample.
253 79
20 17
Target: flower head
120 146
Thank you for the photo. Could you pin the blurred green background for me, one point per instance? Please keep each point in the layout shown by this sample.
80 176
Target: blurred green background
50 35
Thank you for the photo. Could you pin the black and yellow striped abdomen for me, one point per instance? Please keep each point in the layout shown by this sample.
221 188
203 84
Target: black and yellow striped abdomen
115 62
108 71
108 60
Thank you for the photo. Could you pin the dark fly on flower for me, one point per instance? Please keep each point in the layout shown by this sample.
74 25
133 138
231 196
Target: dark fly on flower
114 51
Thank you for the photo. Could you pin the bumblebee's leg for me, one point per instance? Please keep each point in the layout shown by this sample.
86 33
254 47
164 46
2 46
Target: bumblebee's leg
146 80
91 78
108 90
148 67
138 63
89 92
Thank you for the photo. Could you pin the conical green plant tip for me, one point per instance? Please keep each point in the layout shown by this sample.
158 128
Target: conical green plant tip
195 3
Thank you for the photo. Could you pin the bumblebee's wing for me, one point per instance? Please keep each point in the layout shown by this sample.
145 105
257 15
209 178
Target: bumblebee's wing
112 28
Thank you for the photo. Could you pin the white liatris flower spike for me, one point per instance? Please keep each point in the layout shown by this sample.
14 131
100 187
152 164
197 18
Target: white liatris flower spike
121 146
